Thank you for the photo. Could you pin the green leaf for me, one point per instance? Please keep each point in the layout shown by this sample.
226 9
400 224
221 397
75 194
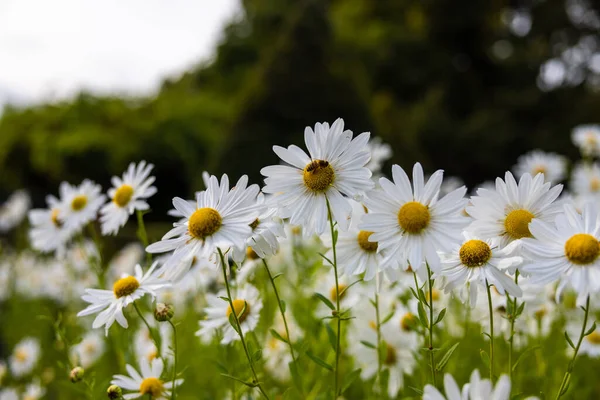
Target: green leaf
318 361
325 301
440 316
277 276
592 329
417 391
423 298
233 323
416 296
335 237
485 358
283 306
332 337
225 299
387 318
567 384
327 259
295 375
257 355
520 309
277 336
423 316
526 352
351 377
569 340
368 344
249 384
446 357
348 287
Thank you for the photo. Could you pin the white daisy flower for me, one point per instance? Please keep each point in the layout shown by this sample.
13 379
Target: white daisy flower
48 233
14 210
552 165
110 303
409 222
333 170
24 357
125 260
478 263
355 253
585 181
505 213
567 251
221 218
34 391
347 288
476 389
380 153
277 353
178 214
128 194
3 371
144 344
79 204
247 305
9 394
89 350
587 138
148 383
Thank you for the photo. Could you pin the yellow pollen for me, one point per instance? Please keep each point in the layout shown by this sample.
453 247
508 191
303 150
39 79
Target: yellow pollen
21 355
251 254
125 286
594 337
435 294
591 139
152 386
582 249
595 185
152 355
407 321
89 348
238 306
204 222
475 253
273 343
318 175
254 224
541 312
54 218
341 289
123 195
373 325
413 217
363 242
296 230
390 355
517 222
79 202
539 169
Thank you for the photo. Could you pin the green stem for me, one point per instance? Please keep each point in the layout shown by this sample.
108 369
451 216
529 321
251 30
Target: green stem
238 325
143 235
431 355
173 395
491 310
337 304
379 351
567 377
513 319
154 339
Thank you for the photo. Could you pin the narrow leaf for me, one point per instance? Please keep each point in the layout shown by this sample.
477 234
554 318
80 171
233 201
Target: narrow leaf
440 316
332 337
318 361
325 301
351 377
423 316
592 329
277 336
569 340
249 384
526 352
368 344
485 358
446 357
283 306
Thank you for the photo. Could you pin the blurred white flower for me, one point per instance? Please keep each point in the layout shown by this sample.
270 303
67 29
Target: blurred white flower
587 139
24 357
147 383
14 210
79 204
552 165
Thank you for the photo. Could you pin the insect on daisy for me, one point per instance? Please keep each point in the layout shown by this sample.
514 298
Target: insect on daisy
79 204
148 383
128 194
552 165
411 223
110 303
220 218
333 170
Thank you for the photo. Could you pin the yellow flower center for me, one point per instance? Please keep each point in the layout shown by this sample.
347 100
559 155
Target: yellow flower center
539 169
204 222
152 386
582 249
79 202
390 355
407 322
591 139
517 222
363 242
594 185
594 337
435 294
318 175
21 355
373 325
125 286
251 254
242 309
413 217
341 289
296 230
475 253
89 348
123 195
54 218
152 355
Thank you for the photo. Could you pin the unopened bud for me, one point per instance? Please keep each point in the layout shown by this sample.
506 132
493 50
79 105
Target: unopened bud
163 312
76 374
114 392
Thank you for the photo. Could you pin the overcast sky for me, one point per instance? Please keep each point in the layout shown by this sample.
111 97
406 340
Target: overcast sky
53 48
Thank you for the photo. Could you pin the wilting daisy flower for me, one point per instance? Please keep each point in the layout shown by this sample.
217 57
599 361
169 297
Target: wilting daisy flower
333 170
506 212
380 153
552 165
48 232
587 138
89 350
24 357
567 251
79 204
585 180
148 383
14 210
128 194
247 305
477 389
355 253
409 222
478 263
110 303
221 218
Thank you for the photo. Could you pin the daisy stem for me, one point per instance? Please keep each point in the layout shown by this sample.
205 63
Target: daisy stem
513 318
567 378
491 310
337 301
238 325
143 235
156 342
379 361
431 355
173 395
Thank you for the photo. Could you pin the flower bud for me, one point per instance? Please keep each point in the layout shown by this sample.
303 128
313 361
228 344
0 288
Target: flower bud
163 312
76 374
114 392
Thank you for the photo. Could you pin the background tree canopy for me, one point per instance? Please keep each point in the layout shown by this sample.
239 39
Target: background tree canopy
463 86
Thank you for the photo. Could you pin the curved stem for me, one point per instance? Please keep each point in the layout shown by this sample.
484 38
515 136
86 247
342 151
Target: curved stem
431 355
156 342
567 377
173 395
491 310
238 325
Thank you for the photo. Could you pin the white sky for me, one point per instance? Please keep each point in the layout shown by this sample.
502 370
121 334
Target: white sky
53 48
